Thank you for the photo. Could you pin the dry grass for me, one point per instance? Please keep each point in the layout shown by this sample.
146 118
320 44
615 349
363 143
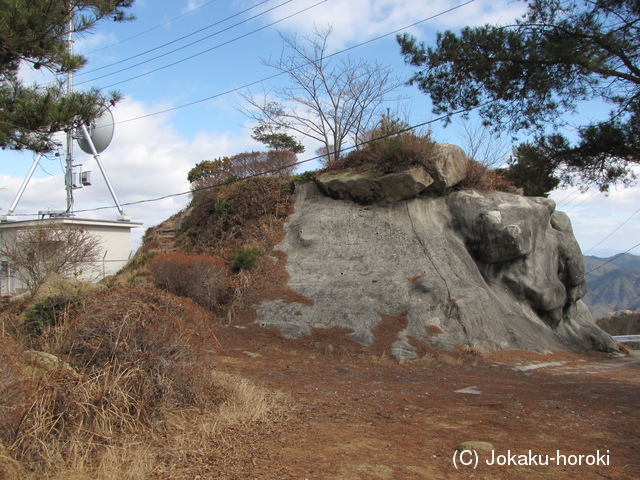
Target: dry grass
129 390
246 214
390 154
485 179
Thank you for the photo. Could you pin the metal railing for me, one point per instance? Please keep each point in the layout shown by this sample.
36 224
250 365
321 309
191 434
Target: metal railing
626 338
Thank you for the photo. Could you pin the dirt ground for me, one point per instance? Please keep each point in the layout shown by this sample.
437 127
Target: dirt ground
359 414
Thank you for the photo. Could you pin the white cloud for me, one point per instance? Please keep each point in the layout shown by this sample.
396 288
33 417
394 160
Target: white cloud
603 224
146 160
482 13
192 5
360 20
87 42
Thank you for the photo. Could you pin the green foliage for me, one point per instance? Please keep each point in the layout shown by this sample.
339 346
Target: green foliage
225 206
35 33
217 169
528 75
275 138
47 312
141 259
391 154
308 176
389 139
530 169
245 259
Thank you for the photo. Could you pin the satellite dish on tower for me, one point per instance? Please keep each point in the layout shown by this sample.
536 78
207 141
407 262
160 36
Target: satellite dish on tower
101 133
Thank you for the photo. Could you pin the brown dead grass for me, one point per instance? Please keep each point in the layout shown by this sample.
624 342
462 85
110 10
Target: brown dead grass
130 390
484 179
391 154
246 214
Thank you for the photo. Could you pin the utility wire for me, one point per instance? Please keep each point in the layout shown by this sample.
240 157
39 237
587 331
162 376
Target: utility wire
215 47
340 52
274 170
274 76
567 197
612 259
269 78
294 164
584 200
247 85
619 227
175 41
152 28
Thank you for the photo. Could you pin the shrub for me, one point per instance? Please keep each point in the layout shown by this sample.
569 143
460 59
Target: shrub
482 178
48 249
625 323
129 360
198 277
245 259
259 204
308 176
48 311
390 154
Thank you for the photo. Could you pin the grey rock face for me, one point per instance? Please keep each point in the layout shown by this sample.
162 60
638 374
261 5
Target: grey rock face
368 187
446 168
486 270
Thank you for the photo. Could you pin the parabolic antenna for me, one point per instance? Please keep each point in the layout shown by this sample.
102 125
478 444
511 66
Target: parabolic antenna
101 133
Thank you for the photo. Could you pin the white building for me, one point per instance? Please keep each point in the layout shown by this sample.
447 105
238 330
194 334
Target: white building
115 241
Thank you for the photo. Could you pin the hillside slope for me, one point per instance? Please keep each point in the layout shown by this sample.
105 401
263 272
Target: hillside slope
613 284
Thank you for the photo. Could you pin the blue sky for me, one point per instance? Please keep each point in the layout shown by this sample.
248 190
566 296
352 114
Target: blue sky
180 67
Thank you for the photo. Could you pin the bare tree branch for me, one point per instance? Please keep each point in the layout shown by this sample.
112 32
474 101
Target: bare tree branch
332 102
37 253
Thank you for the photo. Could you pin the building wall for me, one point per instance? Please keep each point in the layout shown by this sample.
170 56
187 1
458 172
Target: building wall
115 240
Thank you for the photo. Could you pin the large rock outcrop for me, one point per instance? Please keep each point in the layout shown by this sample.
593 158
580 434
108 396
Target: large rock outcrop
494 270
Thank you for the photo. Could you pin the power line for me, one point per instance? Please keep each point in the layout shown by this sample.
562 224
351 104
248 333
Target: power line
340 52
235 89
584 200
275 170
567 197
153 28
175 41
612 259
215 47
619 227
281 73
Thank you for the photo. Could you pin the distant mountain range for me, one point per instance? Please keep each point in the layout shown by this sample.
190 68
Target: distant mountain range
614 284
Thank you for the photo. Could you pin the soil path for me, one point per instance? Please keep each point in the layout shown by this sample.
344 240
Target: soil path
362 416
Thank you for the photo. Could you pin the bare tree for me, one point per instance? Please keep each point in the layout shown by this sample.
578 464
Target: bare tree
483 144
47 249
328 99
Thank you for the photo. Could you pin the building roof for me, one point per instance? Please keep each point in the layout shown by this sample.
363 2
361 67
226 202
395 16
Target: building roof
6 224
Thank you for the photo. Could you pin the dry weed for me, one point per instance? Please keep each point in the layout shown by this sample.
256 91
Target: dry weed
473 351
438 358
482 178
247 402
134 392
10 469
389 154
